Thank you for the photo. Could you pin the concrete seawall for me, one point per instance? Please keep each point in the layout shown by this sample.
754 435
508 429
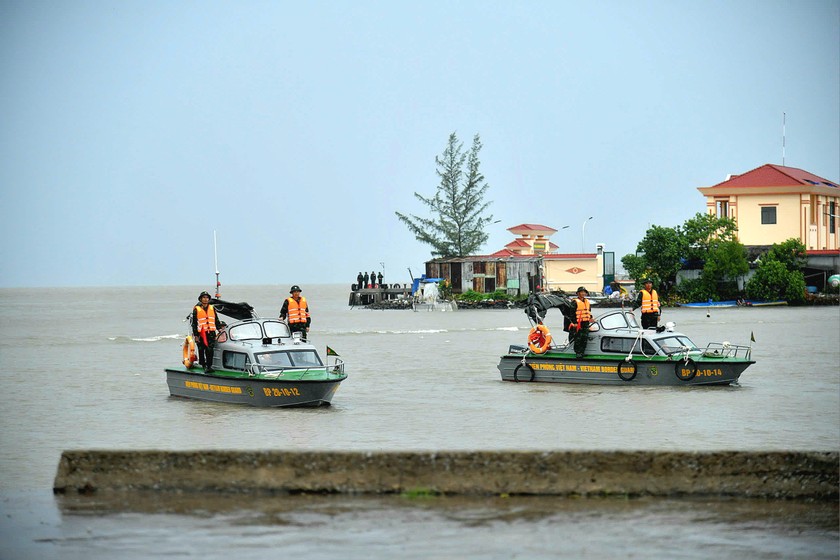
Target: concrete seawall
775 475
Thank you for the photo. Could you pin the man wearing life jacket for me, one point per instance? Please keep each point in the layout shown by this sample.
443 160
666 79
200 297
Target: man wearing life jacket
205 325
297 311
583 315
648 300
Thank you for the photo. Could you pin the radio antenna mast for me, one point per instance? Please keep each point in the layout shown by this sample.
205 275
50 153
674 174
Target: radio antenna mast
216 262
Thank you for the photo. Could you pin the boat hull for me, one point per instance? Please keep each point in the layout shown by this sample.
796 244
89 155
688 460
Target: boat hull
253 391
557 367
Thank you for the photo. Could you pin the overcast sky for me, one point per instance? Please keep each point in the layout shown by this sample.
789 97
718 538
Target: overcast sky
131 130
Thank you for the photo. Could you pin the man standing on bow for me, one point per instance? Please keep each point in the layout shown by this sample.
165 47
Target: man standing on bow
297 311
583 315
205 325
648 300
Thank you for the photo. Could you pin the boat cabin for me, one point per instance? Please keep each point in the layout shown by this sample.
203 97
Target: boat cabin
260 346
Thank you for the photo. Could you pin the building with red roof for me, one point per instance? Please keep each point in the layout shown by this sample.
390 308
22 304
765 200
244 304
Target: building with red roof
773 203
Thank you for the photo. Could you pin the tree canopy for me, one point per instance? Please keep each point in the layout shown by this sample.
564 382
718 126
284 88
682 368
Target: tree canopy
456 225
705 239
779 274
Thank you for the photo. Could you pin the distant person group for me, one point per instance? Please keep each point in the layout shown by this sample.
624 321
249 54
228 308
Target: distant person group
206 324
365 280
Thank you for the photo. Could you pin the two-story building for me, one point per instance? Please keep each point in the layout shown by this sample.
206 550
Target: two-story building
773 203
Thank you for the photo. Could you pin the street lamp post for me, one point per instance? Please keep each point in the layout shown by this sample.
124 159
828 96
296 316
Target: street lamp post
583 235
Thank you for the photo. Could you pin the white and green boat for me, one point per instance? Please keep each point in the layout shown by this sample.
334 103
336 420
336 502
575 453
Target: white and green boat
620 352
257 361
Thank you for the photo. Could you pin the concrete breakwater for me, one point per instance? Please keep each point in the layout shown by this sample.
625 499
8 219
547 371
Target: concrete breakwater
743 474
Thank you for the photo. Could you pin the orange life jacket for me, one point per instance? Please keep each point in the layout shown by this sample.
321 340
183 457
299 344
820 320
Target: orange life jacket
297 310
206 319
650 301
583 310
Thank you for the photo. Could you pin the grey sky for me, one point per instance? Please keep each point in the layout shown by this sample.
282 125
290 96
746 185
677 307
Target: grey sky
131 130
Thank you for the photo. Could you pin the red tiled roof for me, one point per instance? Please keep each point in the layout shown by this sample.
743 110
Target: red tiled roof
556 256
518 243
528 228
769 175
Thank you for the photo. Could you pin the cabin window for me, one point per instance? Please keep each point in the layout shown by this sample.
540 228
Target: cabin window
235 360
305 358
768 214
623 345
275 359
614 321
247 331
276 329
673 344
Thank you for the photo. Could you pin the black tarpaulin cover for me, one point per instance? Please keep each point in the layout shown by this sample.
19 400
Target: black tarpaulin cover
233 310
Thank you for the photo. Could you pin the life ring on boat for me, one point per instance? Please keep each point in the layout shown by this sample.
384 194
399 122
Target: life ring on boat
516 371
189 352
627 370
539 339
685 369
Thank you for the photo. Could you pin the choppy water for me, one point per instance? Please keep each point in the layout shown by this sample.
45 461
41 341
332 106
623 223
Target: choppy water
83 368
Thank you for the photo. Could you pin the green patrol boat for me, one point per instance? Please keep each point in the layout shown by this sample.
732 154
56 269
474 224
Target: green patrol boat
257 361
619 352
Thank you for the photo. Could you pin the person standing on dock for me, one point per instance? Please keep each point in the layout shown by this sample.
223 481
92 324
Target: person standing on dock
379 279
583 315
297 310
648 300
359 280
367 281
372 279
205 325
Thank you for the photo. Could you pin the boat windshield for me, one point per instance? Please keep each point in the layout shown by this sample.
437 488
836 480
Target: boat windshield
293 358
276 329
246 331
618 321
674 344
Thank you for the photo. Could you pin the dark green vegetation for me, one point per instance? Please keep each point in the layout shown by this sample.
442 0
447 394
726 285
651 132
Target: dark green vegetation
709 244
456 228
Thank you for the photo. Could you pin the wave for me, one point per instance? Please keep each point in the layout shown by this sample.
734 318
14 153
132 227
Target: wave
331 332
145 338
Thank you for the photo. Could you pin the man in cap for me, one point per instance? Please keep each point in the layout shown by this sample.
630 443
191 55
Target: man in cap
297 311
205 325
648 300
583 315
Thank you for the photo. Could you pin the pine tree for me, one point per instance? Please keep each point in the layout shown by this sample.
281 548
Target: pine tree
457 226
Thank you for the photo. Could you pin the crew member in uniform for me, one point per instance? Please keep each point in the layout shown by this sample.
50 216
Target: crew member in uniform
583 314
297 311
205 325
648 300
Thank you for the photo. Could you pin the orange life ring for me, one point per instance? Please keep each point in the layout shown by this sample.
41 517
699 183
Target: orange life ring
539 339
189 352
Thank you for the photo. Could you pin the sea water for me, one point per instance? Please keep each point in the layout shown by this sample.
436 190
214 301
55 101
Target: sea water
83 368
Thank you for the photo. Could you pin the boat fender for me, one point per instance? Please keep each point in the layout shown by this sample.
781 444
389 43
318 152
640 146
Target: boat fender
539 339
189 352
685 369
627 370
516 372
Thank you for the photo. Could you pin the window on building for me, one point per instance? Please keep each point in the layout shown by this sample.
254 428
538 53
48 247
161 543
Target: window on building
722 208
768 214
832 215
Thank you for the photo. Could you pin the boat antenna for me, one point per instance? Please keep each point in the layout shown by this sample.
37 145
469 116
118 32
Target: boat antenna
783 138
216 262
